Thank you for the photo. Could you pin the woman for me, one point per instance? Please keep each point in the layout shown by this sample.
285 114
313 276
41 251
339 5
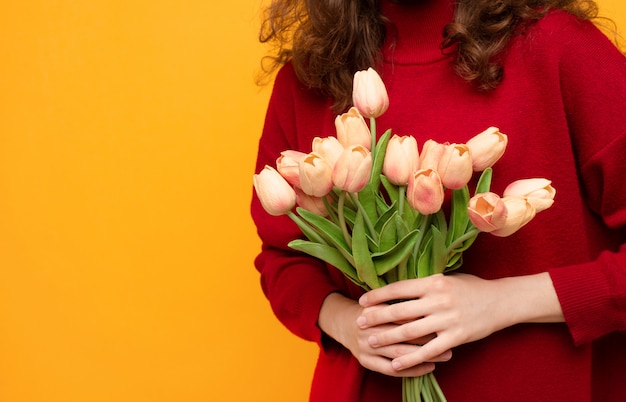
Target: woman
540 315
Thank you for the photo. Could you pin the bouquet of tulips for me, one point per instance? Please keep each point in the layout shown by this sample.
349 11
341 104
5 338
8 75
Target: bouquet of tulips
373 208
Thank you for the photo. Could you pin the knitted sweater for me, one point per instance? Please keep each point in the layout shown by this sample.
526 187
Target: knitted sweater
561 103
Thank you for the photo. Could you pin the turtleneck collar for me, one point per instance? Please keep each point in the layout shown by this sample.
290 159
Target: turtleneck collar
414 33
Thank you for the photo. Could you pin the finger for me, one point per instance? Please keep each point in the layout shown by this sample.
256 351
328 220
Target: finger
399 313
395 291
405 333
434 349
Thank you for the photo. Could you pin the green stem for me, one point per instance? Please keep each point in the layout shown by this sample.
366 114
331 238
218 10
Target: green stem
459 241
401 199
366 218
373 133
425 223
342 218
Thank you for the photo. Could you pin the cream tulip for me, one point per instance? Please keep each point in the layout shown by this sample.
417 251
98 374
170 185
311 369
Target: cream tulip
519 213
328 148
539 192
431 154
288 165
487 148
401 159
425 191
352 129
487 211
315 175
311 203
276 195
369 94
455 166
353 169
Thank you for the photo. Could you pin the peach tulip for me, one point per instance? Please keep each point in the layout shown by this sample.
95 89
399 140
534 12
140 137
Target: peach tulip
519 213
487 211
401 159
276 195
311 203
315 175
487 148
328 148
425 191
431 154
288 165
352 129
353 169
539 192
455 166
369 94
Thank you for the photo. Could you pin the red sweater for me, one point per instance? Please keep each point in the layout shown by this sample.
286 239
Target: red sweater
562 103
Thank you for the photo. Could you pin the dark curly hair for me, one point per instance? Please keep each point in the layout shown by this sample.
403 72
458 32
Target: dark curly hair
329 40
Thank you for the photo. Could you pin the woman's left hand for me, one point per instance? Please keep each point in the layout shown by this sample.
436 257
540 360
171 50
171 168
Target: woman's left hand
457 308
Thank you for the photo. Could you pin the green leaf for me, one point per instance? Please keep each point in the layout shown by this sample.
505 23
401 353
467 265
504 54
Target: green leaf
377 163
365 268
386 261
438 252
423 262
458 215
327 254
393 191
388 233
367 199
331 232
384 218
484 182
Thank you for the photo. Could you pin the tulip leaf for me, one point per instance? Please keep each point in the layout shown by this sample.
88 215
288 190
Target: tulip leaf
401 227
307 229
392 190
438 252
484 182
367 199
379 158
458 215
331 232
385 261
423 262
364 265
388 233
384 218
455 261
327 254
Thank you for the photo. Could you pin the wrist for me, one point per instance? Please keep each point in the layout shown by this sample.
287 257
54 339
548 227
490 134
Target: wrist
336 315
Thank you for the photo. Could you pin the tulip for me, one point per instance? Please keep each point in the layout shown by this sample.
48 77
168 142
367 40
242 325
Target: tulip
276 195
328 148
401 159
486 148
487 211
288 165
311 203
369 94
352 129
425 191
353 169
519 213
539 192
455 166
315 175
432 151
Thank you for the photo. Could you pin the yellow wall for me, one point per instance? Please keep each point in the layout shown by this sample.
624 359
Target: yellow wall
128 131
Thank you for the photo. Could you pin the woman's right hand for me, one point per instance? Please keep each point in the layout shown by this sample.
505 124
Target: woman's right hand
337 319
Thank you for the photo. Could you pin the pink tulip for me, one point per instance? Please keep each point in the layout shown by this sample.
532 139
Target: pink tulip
276 195
288 165
519 213
539 192
401 159
328 148
352 129
369 94
353 169
455 166
310 203
486 148
315 175
432 151
425 191
487 211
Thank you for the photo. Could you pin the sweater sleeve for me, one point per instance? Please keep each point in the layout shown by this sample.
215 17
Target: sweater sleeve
295 284
593 82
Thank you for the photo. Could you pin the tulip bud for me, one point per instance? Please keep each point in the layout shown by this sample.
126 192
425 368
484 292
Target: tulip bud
425 191
352 129
519 213
315 175
288 165
487 211
432 151
276 195
401 159
369 94
328 148
311 203
539 193
486 148
455 166
353 169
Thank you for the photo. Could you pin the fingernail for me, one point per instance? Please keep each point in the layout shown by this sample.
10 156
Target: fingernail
373 340
396 365
363 300
361 321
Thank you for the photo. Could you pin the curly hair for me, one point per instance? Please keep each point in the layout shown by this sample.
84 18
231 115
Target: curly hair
329 40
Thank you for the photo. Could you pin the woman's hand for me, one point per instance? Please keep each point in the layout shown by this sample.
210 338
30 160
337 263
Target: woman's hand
338 319
458 308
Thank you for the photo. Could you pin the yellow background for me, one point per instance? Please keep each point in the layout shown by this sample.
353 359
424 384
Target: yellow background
128 131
